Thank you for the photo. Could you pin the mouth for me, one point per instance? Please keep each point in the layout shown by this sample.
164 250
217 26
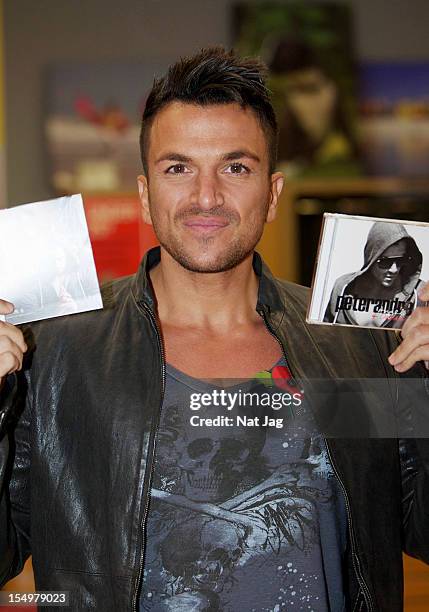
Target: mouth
205 224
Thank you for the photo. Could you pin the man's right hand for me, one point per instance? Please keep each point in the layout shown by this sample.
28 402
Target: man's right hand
12 344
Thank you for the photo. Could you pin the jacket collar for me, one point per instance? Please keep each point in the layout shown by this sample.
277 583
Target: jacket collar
269 299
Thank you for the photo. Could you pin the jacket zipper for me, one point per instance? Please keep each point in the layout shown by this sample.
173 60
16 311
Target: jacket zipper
356 562
151 453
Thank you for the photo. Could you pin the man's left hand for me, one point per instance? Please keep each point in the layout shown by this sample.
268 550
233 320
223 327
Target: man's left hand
415 333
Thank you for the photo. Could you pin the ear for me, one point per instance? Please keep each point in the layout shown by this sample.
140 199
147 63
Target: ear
277 181
144 198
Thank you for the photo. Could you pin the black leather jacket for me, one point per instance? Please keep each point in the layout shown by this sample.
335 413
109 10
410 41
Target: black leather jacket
78 444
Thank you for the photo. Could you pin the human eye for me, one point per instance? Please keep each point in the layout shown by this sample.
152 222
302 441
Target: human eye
176 169
237 168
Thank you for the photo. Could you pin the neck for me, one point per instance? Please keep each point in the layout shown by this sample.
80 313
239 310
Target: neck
218 300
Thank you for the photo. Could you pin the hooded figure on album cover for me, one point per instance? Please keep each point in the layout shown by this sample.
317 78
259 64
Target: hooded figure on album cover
383 293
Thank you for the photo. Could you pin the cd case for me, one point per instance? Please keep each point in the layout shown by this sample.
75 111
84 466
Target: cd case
46 263
368 271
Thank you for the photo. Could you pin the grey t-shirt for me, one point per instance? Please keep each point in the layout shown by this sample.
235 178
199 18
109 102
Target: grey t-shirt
242 517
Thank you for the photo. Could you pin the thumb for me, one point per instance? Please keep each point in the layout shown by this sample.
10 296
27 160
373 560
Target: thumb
6 307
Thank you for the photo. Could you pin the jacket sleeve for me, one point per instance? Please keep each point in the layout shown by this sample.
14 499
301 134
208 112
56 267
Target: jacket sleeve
14 481
413 446
414 462
411 390
414 456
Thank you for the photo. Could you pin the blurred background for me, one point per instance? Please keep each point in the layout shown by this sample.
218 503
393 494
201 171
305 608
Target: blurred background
350 83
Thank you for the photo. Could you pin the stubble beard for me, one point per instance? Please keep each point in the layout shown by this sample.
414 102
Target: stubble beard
235 251
231 257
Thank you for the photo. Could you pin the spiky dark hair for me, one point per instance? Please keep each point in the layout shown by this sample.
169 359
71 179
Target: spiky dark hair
214 76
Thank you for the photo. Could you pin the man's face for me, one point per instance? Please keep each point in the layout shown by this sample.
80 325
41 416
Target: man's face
312 97
387 268
208 192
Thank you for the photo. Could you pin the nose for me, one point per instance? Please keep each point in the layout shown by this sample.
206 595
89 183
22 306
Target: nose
207 191
393 268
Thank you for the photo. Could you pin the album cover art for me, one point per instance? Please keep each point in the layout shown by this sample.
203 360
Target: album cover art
368 271
46 263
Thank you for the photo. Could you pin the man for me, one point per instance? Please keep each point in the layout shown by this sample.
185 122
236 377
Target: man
106 481
314 129
391 271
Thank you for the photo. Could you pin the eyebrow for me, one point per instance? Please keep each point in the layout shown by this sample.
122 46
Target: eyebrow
239 154
231 156
174 157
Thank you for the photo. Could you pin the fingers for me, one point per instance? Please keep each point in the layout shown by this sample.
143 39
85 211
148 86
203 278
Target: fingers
6 307
9 363
424 292
414 353
415 344
12 344
10 348
420 316
14 333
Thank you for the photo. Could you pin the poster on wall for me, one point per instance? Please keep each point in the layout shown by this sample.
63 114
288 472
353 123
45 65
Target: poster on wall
394 123
119 237
93 117
309 53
